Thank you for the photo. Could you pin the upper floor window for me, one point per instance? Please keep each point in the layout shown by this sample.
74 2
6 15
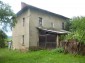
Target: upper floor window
52 24
40 21
23 21
63 27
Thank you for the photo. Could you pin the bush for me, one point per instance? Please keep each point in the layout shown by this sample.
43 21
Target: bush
58 50
77 29
3 37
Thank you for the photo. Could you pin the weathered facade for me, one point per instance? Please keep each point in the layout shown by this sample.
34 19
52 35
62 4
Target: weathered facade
35 25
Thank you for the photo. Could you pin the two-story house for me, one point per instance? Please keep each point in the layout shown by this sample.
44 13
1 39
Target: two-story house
37 28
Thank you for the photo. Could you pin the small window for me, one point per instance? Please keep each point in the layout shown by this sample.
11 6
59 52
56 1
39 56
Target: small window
40 21
23 21
52 24
62 25
22 39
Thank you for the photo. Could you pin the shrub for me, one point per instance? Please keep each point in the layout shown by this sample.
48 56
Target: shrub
3 37
77 29
58 50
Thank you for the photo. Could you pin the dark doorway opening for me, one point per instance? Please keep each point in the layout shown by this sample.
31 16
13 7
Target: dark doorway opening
47 39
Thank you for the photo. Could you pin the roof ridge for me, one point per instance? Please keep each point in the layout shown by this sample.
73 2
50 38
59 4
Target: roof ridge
30 6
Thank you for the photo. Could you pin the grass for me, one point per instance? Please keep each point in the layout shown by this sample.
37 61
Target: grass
42 56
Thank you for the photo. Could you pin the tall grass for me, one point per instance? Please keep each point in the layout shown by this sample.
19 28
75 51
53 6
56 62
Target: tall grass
42 56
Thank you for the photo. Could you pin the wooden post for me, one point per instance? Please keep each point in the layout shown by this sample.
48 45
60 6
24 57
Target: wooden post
38 39
45 40
57 41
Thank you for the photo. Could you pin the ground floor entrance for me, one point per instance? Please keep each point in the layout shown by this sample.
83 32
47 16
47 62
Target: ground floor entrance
48 38
47 41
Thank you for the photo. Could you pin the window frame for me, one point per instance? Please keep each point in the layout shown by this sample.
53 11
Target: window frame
63 25
52 24
40 21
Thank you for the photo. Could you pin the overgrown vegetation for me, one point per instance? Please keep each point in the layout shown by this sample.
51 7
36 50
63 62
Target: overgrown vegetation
77 29
58 50
42 56
7 19
3 38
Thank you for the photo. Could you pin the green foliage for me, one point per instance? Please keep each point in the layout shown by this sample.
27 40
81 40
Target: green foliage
7 17
77 24
62 37
73 35
3 38
10 56
68 24
58 50
77 29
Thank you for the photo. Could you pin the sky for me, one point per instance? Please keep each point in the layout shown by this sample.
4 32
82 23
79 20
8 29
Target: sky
68 8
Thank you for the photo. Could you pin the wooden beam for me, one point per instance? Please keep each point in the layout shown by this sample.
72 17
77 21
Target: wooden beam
44 34
45 40
57 41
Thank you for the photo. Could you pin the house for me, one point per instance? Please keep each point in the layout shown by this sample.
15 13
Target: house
37 28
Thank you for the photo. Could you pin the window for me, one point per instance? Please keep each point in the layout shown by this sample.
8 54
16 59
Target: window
22 39
40 21
23 21
52 24
62 25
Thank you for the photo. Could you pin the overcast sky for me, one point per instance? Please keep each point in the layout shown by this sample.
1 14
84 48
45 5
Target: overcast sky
68 8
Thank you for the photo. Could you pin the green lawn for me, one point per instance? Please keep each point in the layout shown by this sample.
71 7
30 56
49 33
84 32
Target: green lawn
43 56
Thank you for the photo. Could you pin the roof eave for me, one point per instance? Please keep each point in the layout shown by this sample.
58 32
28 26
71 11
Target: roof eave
32 7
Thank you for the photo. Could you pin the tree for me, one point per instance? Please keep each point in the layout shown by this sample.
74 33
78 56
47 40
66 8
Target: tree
77 29
3 38
7 17
68 24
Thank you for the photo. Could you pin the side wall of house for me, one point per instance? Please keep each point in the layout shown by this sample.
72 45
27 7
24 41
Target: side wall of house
19 30
47 20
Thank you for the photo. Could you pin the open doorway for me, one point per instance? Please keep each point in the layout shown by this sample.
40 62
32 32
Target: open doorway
46 39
